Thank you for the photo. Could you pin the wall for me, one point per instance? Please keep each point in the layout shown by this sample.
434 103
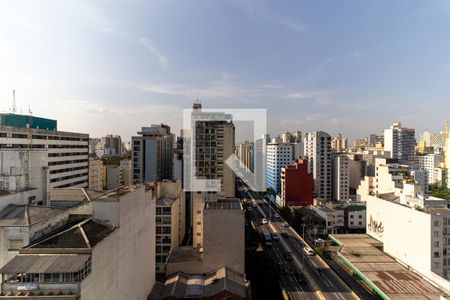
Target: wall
123 264
407 232
224 242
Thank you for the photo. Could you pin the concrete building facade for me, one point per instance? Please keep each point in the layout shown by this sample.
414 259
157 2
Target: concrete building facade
152 154
317 149
170 219
400 142
97 175
341 177
68 152
279 155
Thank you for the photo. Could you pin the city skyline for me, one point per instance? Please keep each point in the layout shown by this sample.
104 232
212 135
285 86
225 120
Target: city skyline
113 68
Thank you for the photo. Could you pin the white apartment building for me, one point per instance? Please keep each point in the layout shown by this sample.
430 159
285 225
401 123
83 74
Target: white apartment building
317 149
429 162
68 152
400 142
414 230
278 156
341 177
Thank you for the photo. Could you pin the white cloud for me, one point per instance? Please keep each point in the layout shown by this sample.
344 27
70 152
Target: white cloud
294 25
150 47
307 95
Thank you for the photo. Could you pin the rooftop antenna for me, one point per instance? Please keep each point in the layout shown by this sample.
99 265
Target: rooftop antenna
14 102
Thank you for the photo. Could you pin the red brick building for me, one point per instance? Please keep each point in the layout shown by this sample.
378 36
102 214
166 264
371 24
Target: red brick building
296 184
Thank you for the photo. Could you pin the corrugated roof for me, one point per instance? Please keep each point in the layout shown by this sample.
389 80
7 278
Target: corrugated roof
26 215
61 263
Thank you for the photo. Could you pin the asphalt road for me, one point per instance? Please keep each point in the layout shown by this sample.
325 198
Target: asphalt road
322 282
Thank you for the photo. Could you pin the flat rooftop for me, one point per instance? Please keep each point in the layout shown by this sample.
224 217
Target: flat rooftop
224 204
184 254
386 274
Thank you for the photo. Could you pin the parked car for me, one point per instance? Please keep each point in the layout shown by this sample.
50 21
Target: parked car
264 221
285 224
275 236
285 235
276 215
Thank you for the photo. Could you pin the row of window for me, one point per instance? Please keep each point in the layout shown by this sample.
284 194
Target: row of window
68 177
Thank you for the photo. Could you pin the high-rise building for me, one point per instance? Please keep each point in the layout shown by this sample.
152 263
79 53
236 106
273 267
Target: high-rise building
429 162
339 143
341 177
278 156
400 142
296 184
214 134
317 149
112 145
245 153
68 153
152 154
360 143
375 139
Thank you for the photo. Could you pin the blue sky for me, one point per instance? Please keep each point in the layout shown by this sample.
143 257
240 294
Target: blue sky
340 66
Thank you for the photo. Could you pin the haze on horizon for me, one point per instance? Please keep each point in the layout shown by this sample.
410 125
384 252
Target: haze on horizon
113 66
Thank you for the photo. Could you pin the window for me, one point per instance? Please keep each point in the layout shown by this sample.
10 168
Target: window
436 223
436 254
436 234
199 233
15 244
436 244
436 264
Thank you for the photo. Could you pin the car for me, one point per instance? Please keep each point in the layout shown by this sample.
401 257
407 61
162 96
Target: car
264 221
308 251
286 224
254 204
276 216
275 236
250 209
285 235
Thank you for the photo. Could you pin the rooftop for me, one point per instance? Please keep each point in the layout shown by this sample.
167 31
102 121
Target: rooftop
38 264
83 235
185 286
26 215
224 204
184 254
386 274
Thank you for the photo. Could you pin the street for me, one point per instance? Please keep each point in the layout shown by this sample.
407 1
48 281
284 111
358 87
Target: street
307 277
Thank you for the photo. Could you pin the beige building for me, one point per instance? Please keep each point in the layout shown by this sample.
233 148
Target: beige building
214 134
97 175
24 177
222 241
109 256
170 219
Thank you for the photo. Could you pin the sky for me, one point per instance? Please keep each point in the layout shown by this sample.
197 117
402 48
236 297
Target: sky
103 67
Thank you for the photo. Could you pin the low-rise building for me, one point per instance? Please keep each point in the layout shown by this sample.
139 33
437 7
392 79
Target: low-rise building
76 263
220 245
223 283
